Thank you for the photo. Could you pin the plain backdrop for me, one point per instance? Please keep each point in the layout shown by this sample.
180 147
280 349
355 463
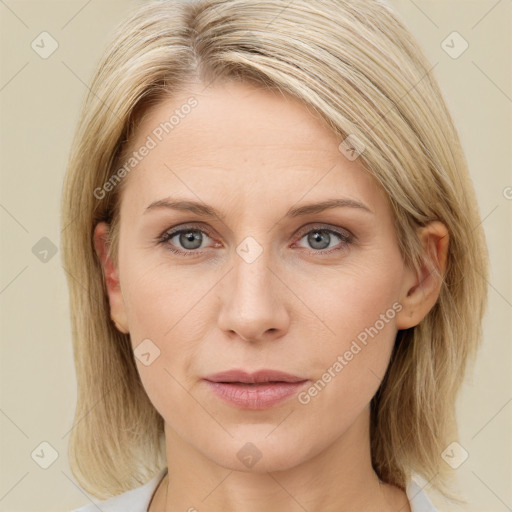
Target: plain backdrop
40 100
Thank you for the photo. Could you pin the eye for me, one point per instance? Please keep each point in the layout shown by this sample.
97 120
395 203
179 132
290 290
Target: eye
188 240
321 238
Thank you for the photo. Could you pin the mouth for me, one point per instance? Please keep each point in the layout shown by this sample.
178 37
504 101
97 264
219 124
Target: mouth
256 391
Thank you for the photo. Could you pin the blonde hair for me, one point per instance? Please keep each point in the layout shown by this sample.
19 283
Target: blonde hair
356 65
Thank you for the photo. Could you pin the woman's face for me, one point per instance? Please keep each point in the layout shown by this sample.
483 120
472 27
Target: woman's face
315 293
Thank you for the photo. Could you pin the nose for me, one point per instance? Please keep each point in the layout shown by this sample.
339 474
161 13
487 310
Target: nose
253 301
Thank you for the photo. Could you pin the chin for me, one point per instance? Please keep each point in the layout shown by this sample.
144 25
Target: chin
254 450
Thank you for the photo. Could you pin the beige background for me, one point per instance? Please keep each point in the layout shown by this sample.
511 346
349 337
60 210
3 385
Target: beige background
40 99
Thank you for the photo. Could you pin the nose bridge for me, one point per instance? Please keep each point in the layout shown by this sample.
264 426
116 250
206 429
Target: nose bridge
253 257
252 276
251 303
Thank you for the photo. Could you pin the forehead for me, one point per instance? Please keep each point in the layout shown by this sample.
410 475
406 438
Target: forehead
236 115
237 140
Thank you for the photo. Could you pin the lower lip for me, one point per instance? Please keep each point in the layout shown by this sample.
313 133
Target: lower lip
255 396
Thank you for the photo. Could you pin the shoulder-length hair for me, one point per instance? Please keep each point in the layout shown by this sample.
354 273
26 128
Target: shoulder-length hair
356 65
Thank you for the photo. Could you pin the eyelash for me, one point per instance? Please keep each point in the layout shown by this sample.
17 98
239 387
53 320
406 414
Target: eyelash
345 238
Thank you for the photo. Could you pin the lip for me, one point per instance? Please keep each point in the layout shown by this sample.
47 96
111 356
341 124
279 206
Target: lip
257 377
257 390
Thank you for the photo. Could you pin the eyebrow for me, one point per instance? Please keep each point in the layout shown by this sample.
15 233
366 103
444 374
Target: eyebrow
208 211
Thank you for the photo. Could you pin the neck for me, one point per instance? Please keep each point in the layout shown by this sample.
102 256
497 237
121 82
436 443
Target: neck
339 478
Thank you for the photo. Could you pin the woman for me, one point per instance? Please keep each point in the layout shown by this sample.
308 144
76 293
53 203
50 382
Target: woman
275 261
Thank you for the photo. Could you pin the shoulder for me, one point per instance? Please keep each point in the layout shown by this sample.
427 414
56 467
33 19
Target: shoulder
136 500
418 499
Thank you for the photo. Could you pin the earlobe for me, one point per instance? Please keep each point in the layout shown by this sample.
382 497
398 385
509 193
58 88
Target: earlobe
111 273
421 289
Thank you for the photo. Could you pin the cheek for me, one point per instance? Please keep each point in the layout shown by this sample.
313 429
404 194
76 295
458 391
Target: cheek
354 298
159 299
352 357
162 316
166 309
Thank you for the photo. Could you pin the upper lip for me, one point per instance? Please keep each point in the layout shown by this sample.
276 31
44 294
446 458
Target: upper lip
254 377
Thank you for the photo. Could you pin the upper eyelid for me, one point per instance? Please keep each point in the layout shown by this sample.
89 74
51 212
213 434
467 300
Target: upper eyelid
179 229
323 227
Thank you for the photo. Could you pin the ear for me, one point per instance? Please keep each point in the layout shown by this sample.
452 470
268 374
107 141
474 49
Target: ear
111 273
421 291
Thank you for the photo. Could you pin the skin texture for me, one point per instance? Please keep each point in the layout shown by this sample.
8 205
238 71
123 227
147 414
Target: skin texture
252 155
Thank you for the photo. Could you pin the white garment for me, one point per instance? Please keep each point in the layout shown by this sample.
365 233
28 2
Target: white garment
137 500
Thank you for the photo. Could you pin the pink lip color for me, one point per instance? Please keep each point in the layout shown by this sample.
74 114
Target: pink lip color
255 396
259 390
